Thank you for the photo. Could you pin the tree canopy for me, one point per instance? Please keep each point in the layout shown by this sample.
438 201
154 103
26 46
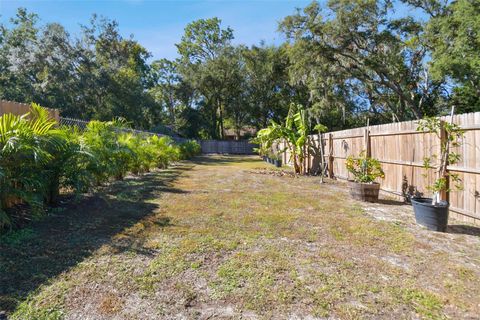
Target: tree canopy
343 60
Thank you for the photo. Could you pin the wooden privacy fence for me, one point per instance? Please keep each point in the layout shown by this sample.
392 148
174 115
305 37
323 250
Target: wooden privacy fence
227 146
401 149
22 108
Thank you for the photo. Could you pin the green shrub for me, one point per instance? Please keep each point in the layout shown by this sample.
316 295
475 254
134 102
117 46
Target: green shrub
28 146
112 157
189 149
166 151
37 158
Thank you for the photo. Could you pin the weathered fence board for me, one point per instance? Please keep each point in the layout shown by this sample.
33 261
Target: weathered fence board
22 108
401 150
227 146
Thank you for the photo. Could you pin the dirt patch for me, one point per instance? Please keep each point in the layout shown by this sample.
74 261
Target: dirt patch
273 172
228 237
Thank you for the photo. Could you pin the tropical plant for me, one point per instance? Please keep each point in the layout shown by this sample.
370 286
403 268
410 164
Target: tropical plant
364 169
189 149
294 134
166 151
38 158
28 145
113 158
452 138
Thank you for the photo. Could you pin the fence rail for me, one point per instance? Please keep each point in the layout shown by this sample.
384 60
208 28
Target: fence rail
401 150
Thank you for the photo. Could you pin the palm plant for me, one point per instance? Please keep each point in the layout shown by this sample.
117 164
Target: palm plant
166 151
38 158
189 149
27 147
113 158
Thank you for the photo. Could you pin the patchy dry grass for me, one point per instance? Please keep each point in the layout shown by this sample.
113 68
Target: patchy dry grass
220 237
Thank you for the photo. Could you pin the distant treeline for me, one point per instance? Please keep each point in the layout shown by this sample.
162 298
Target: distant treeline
344 61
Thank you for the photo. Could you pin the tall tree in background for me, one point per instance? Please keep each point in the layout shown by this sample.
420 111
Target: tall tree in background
267 89
344 60
381 58
122 70
166 82
201 49
453 35
100 75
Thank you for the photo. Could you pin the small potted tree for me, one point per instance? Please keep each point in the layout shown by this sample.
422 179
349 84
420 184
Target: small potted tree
365 171
277 160
433 212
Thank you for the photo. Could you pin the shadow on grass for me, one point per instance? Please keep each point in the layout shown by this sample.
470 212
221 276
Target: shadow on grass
225 159
391 202
30 257
464 229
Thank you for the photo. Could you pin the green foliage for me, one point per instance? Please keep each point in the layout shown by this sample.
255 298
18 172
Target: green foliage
364 169
451 137
189 149
295 133
360 56
112 157
28 145
37 158
96 75
454 38
344 61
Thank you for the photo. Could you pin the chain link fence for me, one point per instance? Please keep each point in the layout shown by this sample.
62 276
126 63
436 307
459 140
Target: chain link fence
82 125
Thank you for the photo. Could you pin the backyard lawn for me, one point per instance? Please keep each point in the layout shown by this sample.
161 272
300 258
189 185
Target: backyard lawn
230 237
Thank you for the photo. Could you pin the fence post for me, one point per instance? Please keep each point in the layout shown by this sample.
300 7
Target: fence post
366 140
330 156
445 194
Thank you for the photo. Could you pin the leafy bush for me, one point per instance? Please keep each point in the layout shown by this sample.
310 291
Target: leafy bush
189 149
364 169
112 157
38 158
28 145
165 151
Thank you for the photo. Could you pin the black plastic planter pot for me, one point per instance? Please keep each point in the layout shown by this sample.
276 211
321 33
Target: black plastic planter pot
434 217
278 163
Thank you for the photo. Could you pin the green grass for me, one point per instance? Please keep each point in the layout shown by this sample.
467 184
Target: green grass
17 237
223 235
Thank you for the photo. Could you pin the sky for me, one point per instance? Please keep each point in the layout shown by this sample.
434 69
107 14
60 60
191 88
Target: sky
158 25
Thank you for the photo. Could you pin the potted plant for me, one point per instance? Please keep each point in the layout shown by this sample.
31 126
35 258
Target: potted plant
277 161
433 212
263 147
271 157
365 171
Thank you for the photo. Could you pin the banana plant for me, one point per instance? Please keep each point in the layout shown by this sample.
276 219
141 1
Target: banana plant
294 133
